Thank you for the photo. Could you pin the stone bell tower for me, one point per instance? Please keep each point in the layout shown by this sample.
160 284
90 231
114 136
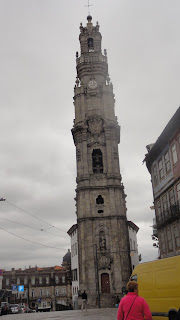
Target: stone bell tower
103 241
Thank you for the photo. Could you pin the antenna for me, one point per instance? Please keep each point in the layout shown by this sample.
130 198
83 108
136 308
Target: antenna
88 5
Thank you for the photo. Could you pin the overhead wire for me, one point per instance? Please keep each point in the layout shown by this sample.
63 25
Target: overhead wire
40 244
52 226
43 230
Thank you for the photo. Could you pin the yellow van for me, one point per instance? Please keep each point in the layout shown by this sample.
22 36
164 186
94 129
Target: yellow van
159 285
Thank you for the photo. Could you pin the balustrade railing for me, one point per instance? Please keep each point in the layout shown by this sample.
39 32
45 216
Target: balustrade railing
91 58
170 215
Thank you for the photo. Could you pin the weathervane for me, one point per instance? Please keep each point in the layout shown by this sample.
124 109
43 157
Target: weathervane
88 5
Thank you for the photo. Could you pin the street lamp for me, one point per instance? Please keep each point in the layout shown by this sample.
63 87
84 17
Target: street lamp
97 274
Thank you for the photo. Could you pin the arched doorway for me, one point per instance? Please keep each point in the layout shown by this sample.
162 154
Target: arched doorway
105 285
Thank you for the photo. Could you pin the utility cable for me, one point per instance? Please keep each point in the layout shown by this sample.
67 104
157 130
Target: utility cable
44 230
43 245
34 216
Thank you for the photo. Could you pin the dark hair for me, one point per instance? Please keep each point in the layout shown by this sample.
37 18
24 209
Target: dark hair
132 286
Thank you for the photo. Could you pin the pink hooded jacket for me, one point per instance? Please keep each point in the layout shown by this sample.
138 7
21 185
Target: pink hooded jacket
139 311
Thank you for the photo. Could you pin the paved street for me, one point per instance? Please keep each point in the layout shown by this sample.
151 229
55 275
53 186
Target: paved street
92 314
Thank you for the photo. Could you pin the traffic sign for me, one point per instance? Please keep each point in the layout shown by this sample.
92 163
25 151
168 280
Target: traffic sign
14 288
21 288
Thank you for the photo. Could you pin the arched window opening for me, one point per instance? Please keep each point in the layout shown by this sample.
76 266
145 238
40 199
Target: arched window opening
105 285
100 211
97 161
90 44
99 200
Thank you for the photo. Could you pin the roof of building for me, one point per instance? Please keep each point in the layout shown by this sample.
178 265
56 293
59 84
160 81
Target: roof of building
58 268
67 257
72 229
29 270
170 129
133 226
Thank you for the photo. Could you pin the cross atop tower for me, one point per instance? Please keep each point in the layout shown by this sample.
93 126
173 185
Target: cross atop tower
88 5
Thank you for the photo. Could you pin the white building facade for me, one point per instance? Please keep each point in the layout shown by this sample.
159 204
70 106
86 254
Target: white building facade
133 229
74 265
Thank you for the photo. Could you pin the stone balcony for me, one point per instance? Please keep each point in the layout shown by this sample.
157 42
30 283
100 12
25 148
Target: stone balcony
91 58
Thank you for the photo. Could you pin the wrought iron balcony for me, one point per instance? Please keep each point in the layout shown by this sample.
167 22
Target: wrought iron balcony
170 215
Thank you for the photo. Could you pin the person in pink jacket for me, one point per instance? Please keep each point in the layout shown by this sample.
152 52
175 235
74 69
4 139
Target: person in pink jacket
133 307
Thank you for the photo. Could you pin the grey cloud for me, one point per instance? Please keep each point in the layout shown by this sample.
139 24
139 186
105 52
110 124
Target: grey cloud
37 155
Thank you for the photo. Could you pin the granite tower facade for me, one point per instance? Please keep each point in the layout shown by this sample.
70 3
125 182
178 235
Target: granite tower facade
103 241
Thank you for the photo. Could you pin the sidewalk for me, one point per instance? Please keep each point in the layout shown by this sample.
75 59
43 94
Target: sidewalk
91 314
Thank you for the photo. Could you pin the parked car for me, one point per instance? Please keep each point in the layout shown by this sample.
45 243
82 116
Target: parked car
23 309
4 307
14 308
0 311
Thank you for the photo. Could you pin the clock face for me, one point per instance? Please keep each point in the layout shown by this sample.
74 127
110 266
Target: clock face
92 84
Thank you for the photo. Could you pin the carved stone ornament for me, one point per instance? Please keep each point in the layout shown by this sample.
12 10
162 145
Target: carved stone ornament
96 143
102 241
78 138
95 125
104 261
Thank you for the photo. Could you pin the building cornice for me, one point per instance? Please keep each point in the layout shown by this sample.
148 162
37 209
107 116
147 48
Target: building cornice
170 130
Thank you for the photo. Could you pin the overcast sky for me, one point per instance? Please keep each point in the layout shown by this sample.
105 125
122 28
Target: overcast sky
39 39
